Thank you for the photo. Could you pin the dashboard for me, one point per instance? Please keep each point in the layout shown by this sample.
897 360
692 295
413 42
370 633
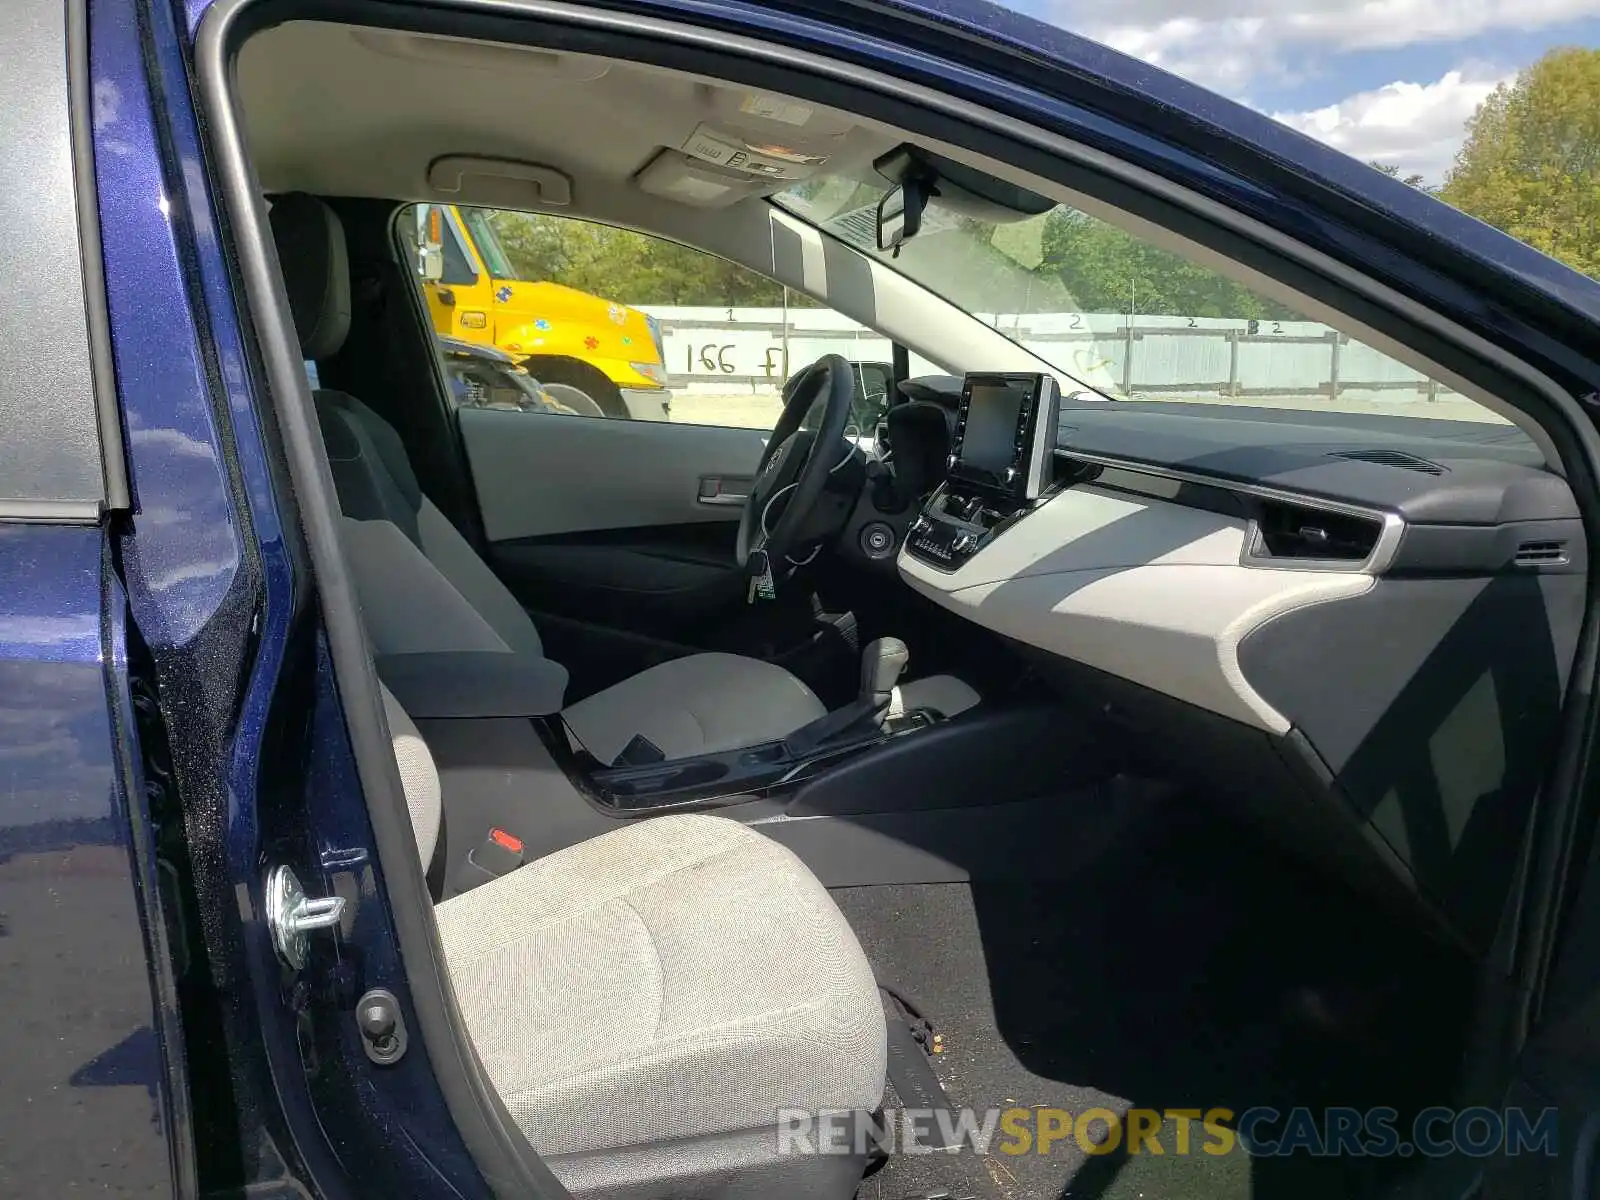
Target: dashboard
1336 624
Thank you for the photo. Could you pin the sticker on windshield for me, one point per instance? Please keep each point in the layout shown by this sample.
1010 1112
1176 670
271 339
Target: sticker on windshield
776 108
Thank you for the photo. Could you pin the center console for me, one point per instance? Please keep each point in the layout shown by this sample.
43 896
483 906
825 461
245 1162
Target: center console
1000 465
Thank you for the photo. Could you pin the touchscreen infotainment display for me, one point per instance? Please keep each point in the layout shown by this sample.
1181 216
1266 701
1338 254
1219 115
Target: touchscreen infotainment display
989 442
1005 432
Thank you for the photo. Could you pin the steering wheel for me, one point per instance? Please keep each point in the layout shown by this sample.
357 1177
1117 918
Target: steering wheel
797 462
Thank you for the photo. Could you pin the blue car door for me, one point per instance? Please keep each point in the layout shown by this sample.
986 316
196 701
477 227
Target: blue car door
92 1095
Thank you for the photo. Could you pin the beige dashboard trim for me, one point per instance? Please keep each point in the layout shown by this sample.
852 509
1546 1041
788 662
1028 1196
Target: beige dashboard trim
1151 591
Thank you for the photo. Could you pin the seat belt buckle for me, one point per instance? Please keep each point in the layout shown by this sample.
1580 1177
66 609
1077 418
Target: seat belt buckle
639 752
499 854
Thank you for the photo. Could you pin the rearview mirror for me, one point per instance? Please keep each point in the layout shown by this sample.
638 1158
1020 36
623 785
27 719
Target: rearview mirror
900 214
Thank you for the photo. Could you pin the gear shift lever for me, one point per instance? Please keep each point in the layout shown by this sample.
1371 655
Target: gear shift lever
882 662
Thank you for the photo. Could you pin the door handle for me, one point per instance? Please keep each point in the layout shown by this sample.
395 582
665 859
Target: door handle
724 489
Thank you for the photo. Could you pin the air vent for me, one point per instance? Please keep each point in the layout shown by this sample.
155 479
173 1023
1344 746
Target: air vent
1298 532
1541 554
1390 458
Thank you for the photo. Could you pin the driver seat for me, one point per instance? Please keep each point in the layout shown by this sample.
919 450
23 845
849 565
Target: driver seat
424 589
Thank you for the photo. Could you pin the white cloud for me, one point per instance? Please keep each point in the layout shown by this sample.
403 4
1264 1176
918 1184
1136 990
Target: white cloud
1221 55
1416 126
1227 44
1366 24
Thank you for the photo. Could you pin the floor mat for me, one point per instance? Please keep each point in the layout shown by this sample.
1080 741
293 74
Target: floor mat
1185 967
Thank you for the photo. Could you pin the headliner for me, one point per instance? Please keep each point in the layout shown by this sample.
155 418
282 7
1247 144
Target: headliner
404 100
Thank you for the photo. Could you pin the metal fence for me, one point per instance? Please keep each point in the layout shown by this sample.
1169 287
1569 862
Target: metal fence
732 349
1150 359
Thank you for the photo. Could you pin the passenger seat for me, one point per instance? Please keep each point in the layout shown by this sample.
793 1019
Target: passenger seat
647 1002
423 588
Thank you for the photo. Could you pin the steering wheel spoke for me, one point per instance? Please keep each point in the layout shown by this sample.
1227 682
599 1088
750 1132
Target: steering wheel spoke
797 463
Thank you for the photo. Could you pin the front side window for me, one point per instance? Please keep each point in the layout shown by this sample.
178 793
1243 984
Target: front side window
606 322
1128 320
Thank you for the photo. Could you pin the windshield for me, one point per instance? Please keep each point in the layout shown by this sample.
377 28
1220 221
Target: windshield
1119 317
489 248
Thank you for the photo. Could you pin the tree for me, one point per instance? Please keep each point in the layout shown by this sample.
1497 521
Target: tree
619 264
1105 269
1531 162
1393 172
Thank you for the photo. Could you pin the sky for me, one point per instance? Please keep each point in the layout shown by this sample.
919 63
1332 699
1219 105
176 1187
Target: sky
1388 80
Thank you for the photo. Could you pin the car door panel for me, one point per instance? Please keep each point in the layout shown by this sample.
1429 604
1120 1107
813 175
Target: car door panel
541 475
614 523
647 578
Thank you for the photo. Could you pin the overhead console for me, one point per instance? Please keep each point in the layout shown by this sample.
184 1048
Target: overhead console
1000 466
748 144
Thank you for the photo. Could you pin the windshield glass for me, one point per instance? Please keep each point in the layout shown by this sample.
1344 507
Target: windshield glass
1128 320
489 248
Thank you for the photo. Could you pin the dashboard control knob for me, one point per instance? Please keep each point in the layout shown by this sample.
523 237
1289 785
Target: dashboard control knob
951 462
1011 474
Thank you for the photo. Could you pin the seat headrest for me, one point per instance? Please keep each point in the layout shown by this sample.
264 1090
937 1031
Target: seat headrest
316 271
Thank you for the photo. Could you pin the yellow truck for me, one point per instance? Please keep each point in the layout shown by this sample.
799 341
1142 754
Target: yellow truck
576 345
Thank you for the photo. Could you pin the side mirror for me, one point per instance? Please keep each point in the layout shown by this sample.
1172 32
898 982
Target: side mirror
428 242
430 263
900 214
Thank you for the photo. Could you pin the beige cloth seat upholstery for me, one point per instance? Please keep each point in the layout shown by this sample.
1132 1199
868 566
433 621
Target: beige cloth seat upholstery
439 597
694 705
646 1002
684 978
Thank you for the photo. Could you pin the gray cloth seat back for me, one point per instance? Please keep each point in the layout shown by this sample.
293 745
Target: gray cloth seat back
375 485
371 471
